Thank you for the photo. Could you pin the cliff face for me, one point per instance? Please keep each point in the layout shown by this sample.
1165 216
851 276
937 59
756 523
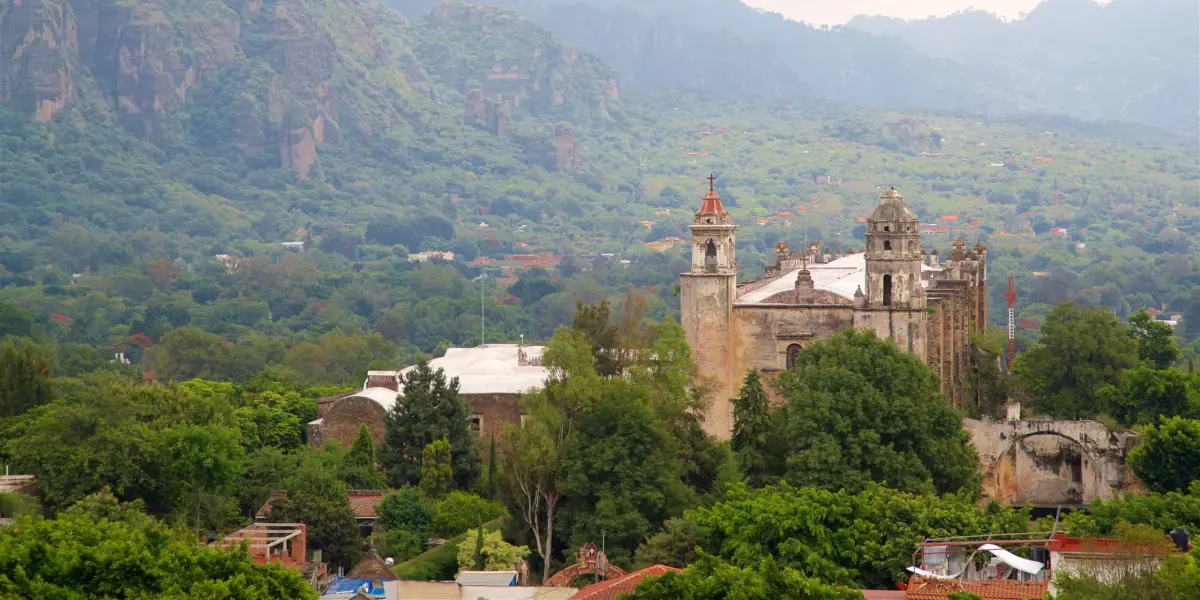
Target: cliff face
505 65
265 70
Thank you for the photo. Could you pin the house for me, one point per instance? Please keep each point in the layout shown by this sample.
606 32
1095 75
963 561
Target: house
613 589
278 543
988 566
364 504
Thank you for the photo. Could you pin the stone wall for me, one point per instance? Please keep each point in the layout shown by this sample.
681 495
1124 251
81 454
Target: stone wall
1052 462
342 419
495 411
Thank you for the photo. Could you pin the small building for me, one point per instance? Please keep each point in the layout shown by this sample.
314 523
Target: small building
988 566
364 503
491 378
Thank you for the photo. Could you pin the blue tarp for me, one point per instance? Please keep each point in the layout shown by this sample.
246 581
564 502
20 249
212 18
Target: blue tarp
344 587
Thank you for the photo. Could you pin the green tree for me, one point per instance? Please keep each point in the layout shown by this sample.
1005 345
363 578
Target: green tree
190 352
407 509
430 409
359 470
14 321
752 428
620 472
861 410
496 554
533 450
1168 457
1155 340
436 472
711 578
318 499
458 511
594 322
1144 394
24 377
33 553
201 463
491 490
1080 351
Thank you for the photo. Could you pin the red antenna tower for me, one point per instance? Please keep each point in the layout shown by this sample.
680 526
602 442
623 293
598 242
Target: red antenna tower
1011 297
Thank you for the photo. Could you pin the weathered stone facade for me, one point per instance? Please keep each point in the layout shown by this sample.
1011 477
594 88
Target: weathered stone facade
892 288
1052 463
341 418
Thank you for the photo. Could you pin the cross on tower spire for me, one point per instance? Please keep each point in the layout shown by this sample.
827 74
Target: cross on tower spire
712 182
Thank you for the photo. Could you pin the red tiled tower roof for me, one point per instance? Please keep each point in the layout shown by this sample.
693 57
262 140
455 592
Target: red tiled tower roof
711 205
625 584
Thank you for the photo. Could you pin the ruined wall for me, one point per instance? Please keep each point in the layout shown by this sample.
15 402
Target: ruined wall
905 327
1051 462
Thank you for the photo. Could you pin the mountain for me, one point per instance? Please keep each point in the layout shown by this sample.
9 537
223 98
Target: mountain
213 125
723 46
1130 60
1133 60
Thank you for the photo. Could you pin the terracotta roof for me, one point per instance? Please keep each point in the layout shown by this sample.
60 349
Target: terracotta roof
883 594
626 584
711 204
932 589
362 502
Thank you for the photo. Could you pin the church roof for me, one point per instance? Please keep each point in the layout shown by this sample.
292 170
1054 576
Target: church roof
841 277
892 207
493 369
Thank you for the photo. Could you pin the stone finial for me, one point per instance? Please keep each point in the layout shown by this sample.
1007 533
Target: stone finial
858 293
980 248
804 280
959 244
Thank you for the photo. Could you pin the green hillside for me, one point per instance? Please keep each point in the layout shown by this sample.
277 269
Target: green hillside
140 141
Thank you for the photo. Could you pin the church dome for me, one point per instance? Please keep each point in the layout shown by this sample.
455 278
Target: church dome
892 207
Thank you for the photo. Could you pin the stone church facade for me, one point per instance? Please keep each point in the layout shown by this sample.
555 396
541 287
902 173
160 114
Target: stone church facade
893 287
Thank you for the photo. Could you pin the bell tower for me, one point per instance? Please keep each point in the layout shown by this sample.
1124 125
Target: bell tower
707 292
893 255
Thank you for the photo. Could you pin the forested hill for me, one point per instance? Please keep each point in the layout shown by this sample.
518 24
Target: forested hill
1133 60
1128 60
157 155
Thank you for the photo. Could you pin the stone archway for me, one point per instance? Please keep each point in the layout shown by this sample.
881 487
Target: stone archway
590 561
1043 468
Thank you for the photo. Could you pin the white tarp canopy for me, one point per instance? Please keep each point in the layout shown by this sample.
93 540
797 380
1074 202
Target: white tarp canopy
1024 565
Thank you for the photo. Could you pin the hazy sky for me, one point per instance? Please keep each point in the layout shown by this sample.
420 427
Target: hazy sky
835 12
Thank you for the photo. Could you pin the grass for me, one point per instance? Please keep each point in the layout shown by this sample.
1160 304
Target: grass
439 563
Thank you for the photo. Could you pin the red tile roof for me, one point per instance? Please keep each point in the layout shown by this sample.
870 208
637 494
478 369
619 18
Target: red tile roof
625 584
363 502
711 204
933 589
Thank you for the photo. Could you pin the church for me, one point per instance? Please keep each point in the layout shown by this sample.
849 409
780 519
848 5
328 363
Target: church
894 287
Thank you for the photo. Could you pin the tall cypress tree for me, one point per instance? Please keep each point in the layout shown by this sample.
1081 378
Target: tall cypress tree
752 427
430 409
492 469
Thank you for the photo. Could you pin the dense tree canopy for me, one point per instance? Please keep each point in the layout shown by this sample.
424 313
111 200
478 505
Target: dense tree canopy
860 410
1080 351
430 409
34 555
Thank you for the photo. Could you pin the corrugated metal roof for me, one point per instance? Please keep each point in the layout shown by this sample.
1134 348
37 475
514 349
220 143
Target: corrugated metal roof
626 584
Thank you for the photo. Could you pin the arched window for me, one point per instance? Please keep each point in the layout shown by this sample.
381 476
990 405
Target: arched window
793 353
887 290
887 228
710 257
887 244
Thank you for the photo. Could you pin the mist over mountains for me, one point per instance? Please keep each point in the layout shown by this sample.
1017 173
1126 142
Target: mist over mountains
1135 61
